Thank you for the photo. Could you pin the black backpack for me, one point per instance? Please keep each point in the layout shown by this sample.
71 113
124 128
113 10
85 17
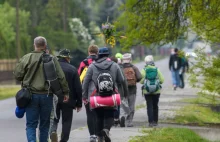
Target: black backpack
176 62
105 85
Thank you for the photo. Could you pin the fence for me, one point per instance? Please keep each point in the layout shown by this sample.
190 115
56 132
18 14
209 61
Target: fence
6 69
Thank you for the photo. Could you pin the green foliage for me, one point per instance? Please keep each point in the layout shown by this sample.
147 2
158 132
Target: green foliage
146 22
205 74
8 28
168 135
7 92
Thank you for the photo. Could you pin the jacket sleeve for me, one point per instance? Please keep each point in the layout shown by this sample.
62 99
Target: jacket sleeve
20 69
119 77
86 82
61 77
161 78
78 89
170 62
143 73
124 84
137 73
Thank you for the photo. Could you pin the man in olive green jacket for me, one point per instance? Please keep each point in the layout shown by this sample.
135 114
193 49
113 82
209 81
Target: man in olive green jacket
152 99
40 107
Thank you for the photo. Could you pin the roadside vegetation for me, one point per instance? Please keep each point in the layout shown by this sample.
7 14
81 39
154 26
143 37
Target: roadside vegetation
7 92
168 135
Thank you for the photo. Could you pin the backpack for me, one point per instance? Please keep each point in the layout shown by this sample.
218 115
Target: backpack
151 83
105 85
130 76
86 62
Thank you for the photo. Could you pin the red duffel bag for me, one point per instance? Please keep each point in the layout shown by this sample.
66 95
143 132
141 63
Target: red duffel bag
108 101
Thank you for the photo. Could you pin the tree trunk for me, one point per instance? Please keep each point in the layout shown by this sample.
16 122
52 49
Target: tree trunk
64 15
17 31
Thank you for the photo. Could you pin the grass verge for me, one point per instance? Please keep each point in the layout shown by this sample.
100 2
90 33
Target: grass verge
202 100
168 135
196 114
7 92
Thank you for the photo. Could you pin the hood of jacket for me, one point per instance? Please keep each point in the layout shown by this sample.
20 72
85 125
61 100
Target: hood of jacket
103 63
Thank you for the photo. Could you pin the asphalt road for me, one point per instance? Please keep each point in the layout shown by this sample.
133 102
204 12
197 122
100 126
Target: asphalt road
12 129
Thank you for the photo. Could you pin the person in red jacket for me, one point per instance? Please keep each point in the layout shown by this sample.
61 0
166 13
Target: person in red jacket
91 115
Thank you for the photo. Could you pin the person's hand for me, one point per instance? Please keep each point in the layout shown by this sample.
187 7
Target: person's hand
66 98
78 109
85 101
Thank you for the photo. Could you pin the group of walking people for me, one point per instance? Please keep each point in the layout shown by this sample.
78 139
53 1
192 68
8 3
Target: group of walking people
98 75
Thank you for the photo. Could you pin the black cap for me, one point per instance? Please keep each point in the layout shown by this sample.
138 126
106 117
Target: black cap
64 53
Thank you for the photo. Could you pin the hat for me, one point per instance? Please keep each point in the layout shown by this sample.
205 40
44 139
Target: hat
19 112
103 51
118 55
126 56
149 58
64 53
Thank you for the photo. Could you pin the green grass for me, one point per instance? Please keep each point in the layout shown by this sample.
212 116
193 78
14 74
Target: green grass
168 135
140 106
7 92
202 100
196 114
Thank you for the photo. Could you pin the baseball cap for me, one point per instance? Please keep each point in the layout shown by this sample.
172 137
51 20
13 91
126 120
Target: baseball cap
64 53
103 50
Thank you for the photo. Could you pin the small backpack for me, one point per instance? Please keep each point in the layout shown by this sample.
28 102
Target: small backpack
105 84
130 76
152 83
86 62
176 62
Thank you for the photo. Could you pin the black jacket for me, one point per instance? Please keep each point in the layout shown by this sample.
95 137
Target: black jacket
174 58
72 77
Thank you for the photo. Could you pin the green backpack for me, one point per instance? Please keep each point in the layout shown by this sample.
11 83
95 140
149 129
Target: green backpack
152 82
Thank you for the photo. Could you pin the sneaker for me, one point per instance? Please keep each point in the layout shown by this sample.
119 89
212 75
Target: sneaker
116 122
155 124
105 134
122 121
174 88
92 139
130 124
100 139
53 137
151 125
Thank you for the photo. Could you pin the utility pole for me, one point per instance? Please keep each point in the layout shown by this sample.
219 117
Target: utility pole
17 31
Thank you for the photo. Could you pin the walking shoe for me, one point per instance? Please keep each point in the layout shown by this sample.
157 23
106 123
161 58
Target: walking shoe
105 134
122 121
155 123
92 138
151 125
116 122
130 124
53 137
100 139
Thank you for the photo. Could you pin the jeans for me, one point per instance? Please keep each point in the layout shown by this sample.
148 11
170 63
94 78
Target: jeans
175 77
67 116
105 119
38 111
152 107
91 120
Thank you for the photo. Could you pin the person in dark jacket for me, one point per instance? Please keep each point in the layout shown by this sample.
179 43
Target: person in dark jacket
75 98
175 64
91 116
132 88
105 116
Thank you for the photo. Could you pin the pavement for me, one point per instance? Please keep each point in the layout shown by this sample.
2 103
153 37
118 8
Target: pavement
13 129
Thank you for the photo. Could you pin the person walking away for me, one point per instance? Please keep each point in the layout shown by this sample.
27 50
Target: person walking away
184 68
123 90
40 107
152 80
91 115
75 98
175 63
133 75
93 84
